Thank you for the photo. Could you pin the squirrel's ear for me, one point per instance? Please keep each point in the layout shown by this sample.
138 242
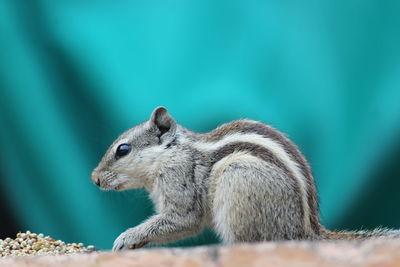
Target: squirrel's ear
163 121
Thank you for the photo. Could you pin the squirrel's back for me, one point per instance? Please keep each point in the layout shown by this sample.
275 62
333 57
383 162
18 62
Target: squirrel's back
270 145
230 141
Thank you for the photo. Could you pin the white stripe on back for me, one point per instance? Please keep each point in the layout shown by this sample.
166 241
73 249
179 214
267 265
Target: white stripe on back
275 148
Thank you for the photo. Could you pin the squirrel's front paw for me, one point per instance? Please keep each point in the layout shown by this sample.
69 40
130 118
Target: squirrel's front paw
128 240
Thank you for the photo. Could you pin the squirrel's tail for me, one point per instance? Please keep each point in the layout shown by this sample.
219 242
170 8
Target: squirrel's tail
359 235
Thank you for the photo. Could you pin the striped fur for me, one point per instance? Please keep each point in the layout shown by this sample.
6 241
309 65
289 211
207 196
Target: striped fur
266 131
248 132
245 179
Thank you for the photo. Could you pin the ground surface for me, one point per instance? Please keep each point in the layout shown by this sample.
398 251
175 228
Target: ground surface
368 253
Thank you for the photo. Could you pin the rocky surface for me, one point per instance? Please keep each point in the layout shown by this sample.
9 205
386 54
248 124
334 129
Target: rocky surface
366 253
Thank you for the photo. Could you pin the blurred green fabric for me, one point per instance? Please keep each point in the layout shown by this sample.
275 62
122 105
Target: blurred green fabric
75 74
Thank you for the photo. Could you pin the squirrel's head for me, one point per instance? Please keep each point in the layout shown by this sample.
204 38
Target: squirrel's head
129 160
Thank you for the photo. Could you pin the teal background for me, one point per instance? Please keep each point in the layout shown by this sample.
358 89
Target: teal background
75 74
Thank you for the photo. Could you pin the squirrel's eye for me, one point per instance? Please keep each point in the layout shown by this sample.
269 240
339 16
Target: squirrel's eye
122 150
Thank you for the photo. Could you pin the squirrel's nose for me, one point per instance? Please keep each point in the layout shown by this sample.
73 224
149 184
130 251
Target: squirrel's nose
95 178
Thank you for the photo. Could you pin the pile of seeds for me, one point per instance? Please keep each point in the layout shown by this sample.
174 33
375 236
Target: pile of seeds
37 244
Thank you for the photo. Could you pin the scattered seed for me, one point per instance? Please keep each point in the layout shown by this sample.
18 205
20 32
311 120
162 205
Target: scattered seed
37 244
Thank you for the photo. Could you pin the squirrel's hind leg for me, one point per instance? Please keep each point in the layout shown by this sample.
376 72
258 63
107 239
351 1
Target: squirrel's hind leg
254 200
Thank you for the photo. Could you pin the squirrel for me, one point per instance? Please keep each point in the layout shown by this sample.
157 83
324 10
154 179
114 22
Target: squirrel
245 180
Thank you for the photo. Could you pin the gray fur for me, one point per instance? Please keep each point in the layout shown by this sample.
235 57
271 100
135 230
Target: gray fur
249 204
379 232
242 189
246 126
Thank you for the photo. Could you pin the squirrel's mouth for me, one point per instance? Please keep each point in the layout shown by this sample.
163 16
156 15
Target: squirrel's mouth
109 187
119 187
